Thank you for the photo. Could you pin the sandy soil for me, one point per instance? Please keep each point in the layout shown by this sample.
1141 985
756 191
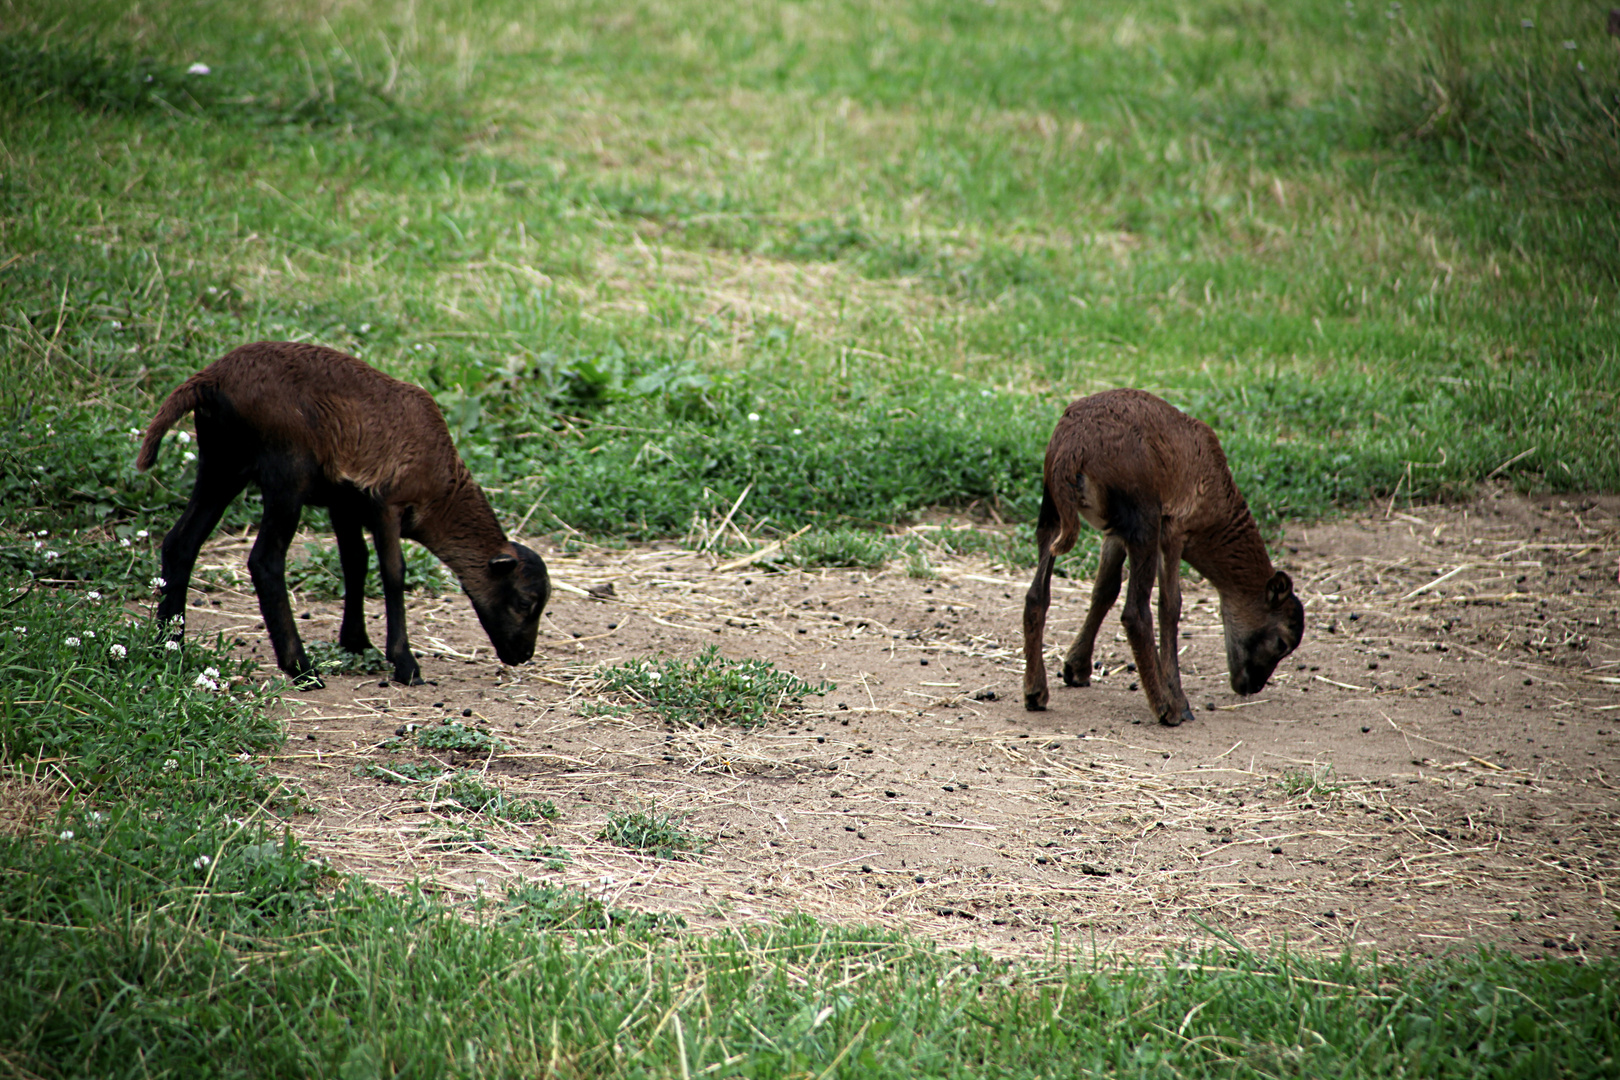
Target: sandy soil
1437 766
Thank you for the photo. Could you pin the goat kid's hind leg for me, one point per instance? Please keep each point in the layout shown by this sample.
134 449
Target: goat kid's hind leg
1104 591
391 566
215 489
354 558
267 564
1169 621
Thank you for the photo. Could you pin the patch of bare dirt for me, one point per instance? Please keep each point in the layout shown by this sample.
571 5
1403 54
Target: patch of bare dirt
1435 767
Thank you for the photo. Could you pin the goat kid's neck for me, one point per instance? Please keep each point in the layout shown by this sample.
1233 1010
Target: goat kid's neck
464 535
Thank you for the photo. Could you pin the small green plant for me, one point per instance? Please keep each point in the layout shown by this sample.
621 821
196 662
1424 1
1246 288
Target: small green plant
918 566
652 833
840 547
450 736
1316 783
331 658
401 772
477 797
710 687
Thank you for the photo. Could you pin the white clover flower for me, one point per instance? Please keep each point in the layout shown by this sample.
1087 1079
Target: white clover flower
211 672
89 633
53 554
71 642
365 328
43 532
798 431
206 683
183 436
480 882
158 583
116 325
93 595
197 69
20 629
117 652
753 418
655 675
170 765
172 646
201 862
244 757
141 534
188 457
65 834
123 541
97 817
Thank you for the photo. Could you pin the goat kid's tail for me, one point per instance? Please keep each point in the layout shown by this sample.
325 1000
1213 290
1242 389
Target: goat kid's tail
186 397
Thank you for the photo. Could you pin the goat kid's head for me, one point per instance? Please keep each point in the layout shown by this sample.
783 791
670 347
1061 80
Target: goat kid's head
1258 636
509 601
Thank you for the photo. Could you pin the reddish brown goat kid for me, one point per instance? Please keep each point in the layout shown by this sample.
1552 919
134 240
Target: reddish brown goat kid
1155 481
315 427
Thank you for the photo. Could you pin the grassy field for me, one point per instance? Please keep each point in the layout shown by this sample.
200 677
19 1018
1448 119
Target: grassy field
841 261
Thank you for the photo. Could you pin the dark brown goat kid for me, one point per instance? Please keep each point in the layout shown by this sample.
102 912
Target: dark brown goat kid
315 427
1155 481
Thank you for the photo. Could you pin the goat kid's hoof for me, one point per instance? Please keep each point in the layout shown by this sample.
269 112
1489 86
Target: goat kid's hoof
1074 675
1174 717
1036 702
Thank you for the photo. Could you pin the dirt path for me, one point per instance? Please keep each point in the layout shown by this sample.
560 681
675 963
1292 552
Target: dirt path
1438 765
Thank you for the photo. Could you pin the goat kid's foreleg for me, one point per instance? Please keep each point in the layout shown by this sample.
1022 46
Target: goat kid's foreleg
267 564
391 567
1169 623
1104 591
354 558
213 492
1138 620
1036 602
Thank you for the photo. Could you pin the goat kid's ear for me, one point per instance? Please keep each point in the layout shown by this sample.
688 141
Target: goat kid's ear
1279 588
501 565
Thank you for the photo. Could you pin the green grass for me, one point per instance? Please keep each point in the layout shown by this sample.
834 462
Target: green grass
476 797
849 258
450 735
652 833
709 689
1372 275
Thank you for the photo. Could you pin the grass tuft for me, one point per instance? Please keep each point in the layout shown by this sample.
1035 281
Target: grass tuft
652 833
709 688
